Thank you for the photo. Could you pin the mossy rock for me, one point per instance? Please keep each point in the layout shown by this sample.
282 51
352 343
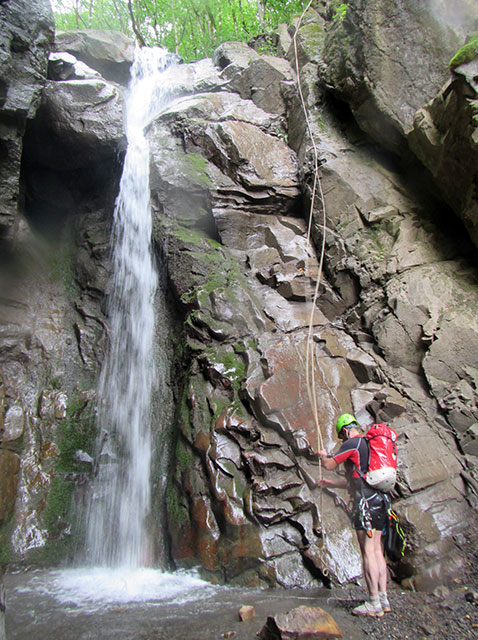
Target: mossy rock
77 431
467 53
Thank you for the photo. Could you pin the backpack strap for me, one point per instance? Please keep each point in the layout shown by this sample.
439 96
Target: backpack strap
363 475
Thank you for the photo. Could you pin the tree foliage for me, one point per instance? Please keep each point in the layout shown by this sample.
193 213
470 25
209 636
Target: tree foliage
191 28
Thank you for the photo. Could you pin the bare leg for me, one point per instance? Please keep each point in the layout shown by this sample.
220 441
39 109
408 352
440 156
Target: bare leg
373 562
381 562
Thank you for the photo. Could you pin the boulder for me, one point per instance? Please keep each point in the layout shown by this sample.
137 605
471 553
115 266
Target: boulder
108 52
302 623
79 124
14 423
263 79
64 66
309 41
246 613
219 161
378 61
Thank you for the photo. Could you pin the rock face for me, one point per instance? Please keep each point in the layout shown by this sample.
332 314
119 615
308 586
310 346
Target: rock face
25 41
260 373
445 139
387 59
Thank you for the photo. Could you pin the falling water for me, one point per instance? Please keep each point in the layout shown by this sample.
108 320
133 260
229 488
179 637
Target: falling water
121 497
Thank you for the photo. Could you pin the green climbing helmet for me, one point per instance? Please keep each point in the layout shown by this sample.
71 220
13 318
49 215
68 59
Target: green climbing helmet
344 420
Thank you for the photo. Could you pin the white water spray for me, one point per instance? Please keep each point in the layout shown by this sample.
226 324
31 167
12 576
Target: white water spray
121 498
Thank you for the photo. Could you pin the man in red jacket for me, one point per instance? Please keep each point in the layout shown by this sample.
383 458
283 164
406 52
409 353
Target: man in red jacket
369 512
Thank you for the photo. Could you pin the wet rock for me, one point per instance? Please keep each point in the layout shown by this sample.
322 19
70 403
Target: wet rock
309 41
2 404
222 165
421 443
108 52
198 77
302 623
52 405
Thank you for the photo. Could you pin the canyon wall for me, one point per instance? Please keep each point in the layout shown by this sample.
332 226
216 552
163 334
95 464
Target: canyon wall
393 336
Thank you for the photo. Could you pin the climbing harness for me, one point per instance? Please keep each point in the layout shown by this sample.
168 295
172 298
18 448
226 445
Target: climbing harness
364 515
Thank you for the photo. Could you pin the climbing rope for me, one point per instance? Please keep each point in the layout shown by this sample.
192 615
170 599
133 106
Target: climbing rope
317 186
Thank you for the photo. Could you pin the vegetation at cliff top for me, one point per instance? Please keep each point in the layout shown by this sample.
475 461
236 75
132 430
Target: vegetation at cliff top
190 28
467 53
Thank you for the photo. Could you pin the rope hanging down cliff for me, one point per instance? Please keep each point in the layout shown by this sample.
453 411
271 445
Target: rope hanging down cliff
310 369
316 186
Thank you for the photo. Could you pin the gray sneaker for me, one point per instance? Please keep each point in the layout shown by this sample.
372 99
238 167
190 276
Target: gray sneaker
368 609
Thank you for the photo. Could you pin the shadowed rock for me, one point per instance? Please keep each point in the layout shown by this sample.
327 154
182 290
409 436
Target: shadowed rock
26 35
445 139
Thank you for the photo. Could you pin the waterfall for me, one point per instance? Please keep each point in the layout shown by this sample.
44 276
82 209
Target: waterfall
120 502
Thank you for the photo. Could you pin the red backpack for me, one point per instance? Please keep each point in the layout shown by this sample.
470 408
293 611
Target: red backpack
382 460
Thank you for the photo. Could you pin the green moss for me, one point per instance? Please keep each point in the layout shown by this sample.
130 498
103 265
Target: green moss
6 552
467 53
219 405
196 167
184 457
76 432
58 504
228 365
220 274
189 236
60 269
177 513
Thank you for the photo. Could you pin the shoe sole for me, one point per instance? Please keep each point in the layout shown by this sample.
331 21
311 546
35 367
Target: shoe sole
369 614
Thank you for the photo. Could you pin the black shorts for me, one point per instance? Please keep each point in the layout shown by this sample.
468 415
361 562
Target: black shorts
373 507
